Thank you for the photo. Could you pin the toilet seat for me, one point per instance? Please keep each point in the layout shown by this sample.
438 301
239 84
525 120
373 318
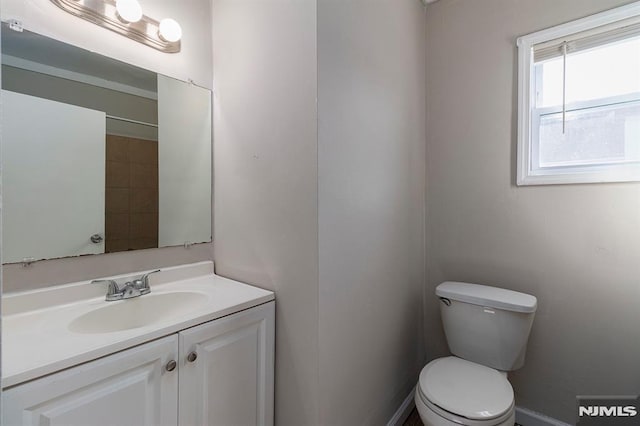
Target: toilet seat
432 415
461 390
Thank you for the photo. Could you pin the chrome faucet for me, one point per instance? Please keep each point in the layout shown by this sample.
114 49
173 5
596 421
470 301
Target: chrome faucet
129 289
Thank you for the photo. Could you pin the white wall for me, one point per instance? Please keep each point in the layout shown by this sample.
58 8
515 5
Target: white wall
192 62
265 166
576 247
371 109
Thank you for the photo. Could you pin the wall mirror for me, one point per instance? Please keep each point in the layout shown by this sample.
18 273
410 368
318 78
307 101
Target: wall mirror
98 156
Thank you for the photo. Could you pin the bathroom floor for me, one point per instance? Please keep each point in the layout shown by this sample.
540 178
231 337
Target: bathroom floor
413 419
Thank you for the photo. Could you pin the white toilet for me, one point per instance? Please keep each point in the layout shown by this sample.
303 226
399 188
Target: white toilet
487 329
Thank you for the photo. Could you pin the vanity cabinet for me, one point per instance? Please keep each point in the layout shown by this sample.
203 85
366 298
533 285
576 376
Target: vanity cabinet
226 376
129 388
216 373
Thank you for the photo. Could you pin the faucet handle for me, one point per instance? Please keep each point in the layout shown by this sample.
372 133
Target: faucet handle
142 283
113 288
145 277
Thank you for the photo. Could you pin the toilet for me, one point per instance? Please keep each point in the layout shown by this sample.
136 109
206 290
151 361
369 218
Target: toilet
487 330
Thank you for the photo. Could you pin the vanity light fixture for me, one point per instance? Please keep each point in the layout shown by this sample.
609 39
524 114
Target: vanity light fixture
170 31
125 17
129 11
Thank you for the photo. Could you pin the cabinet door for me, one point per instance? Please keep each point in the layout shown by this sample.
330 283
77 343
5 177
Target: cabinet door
230 382
132 387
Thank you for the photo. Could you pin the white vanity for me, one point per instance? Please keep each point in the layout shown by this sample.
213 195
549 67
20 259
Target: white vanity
197 350
101 156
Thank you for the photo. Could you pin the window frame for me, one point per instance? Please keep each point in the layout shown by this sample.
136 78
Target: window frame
527 146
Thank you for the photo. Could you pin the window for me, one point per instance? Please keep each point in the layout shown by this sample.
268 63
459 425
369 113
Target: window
579 101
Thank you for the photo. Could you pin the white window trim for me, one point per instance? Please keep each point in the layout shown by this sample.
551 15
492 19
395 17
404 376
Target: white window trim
526 98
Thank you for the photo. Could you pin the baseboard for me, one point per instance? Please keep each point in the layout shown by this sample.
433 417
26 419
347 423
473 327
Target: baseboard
404 410
526 417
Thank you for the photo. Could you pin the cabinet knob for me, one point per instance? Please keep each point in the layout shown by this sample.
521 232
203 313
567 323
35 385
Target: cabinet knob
192 357
171 365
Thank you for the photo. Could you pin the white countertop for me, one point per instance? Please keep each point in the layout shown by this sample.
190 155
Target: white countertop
36 340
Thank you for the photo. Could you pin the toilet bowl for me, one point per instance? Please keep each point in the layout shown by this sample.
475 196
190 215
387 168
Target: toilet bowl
487 329
454 392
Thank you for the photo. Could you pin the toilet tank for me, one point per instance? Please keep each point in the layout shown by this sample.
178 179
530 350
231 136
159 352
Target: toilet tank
486 325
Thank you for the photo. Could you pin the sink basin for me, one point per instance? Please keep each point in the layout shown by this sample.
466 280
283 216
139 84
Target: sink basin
137 312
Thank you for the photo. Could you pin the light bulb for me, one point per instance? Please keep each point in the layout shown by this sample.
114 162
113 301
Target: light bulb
170 31
129 10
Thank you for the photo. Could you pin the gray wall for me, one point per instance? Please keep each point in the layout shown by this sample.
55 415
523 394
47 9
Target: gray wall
113 102
576 247
72 92
371 141
325 206
265 140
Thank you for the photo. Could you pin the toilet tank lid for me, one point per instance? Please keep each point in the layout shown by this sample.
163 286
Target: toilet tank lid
485 295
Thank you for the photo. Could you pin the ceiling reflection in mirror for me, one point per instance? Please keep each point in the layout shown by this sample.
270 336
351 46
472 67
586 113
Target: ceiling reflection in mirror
99 156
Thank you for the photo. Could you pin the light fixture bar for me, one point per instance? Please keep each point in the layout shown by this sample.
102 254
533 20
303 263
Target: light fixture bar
104 14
